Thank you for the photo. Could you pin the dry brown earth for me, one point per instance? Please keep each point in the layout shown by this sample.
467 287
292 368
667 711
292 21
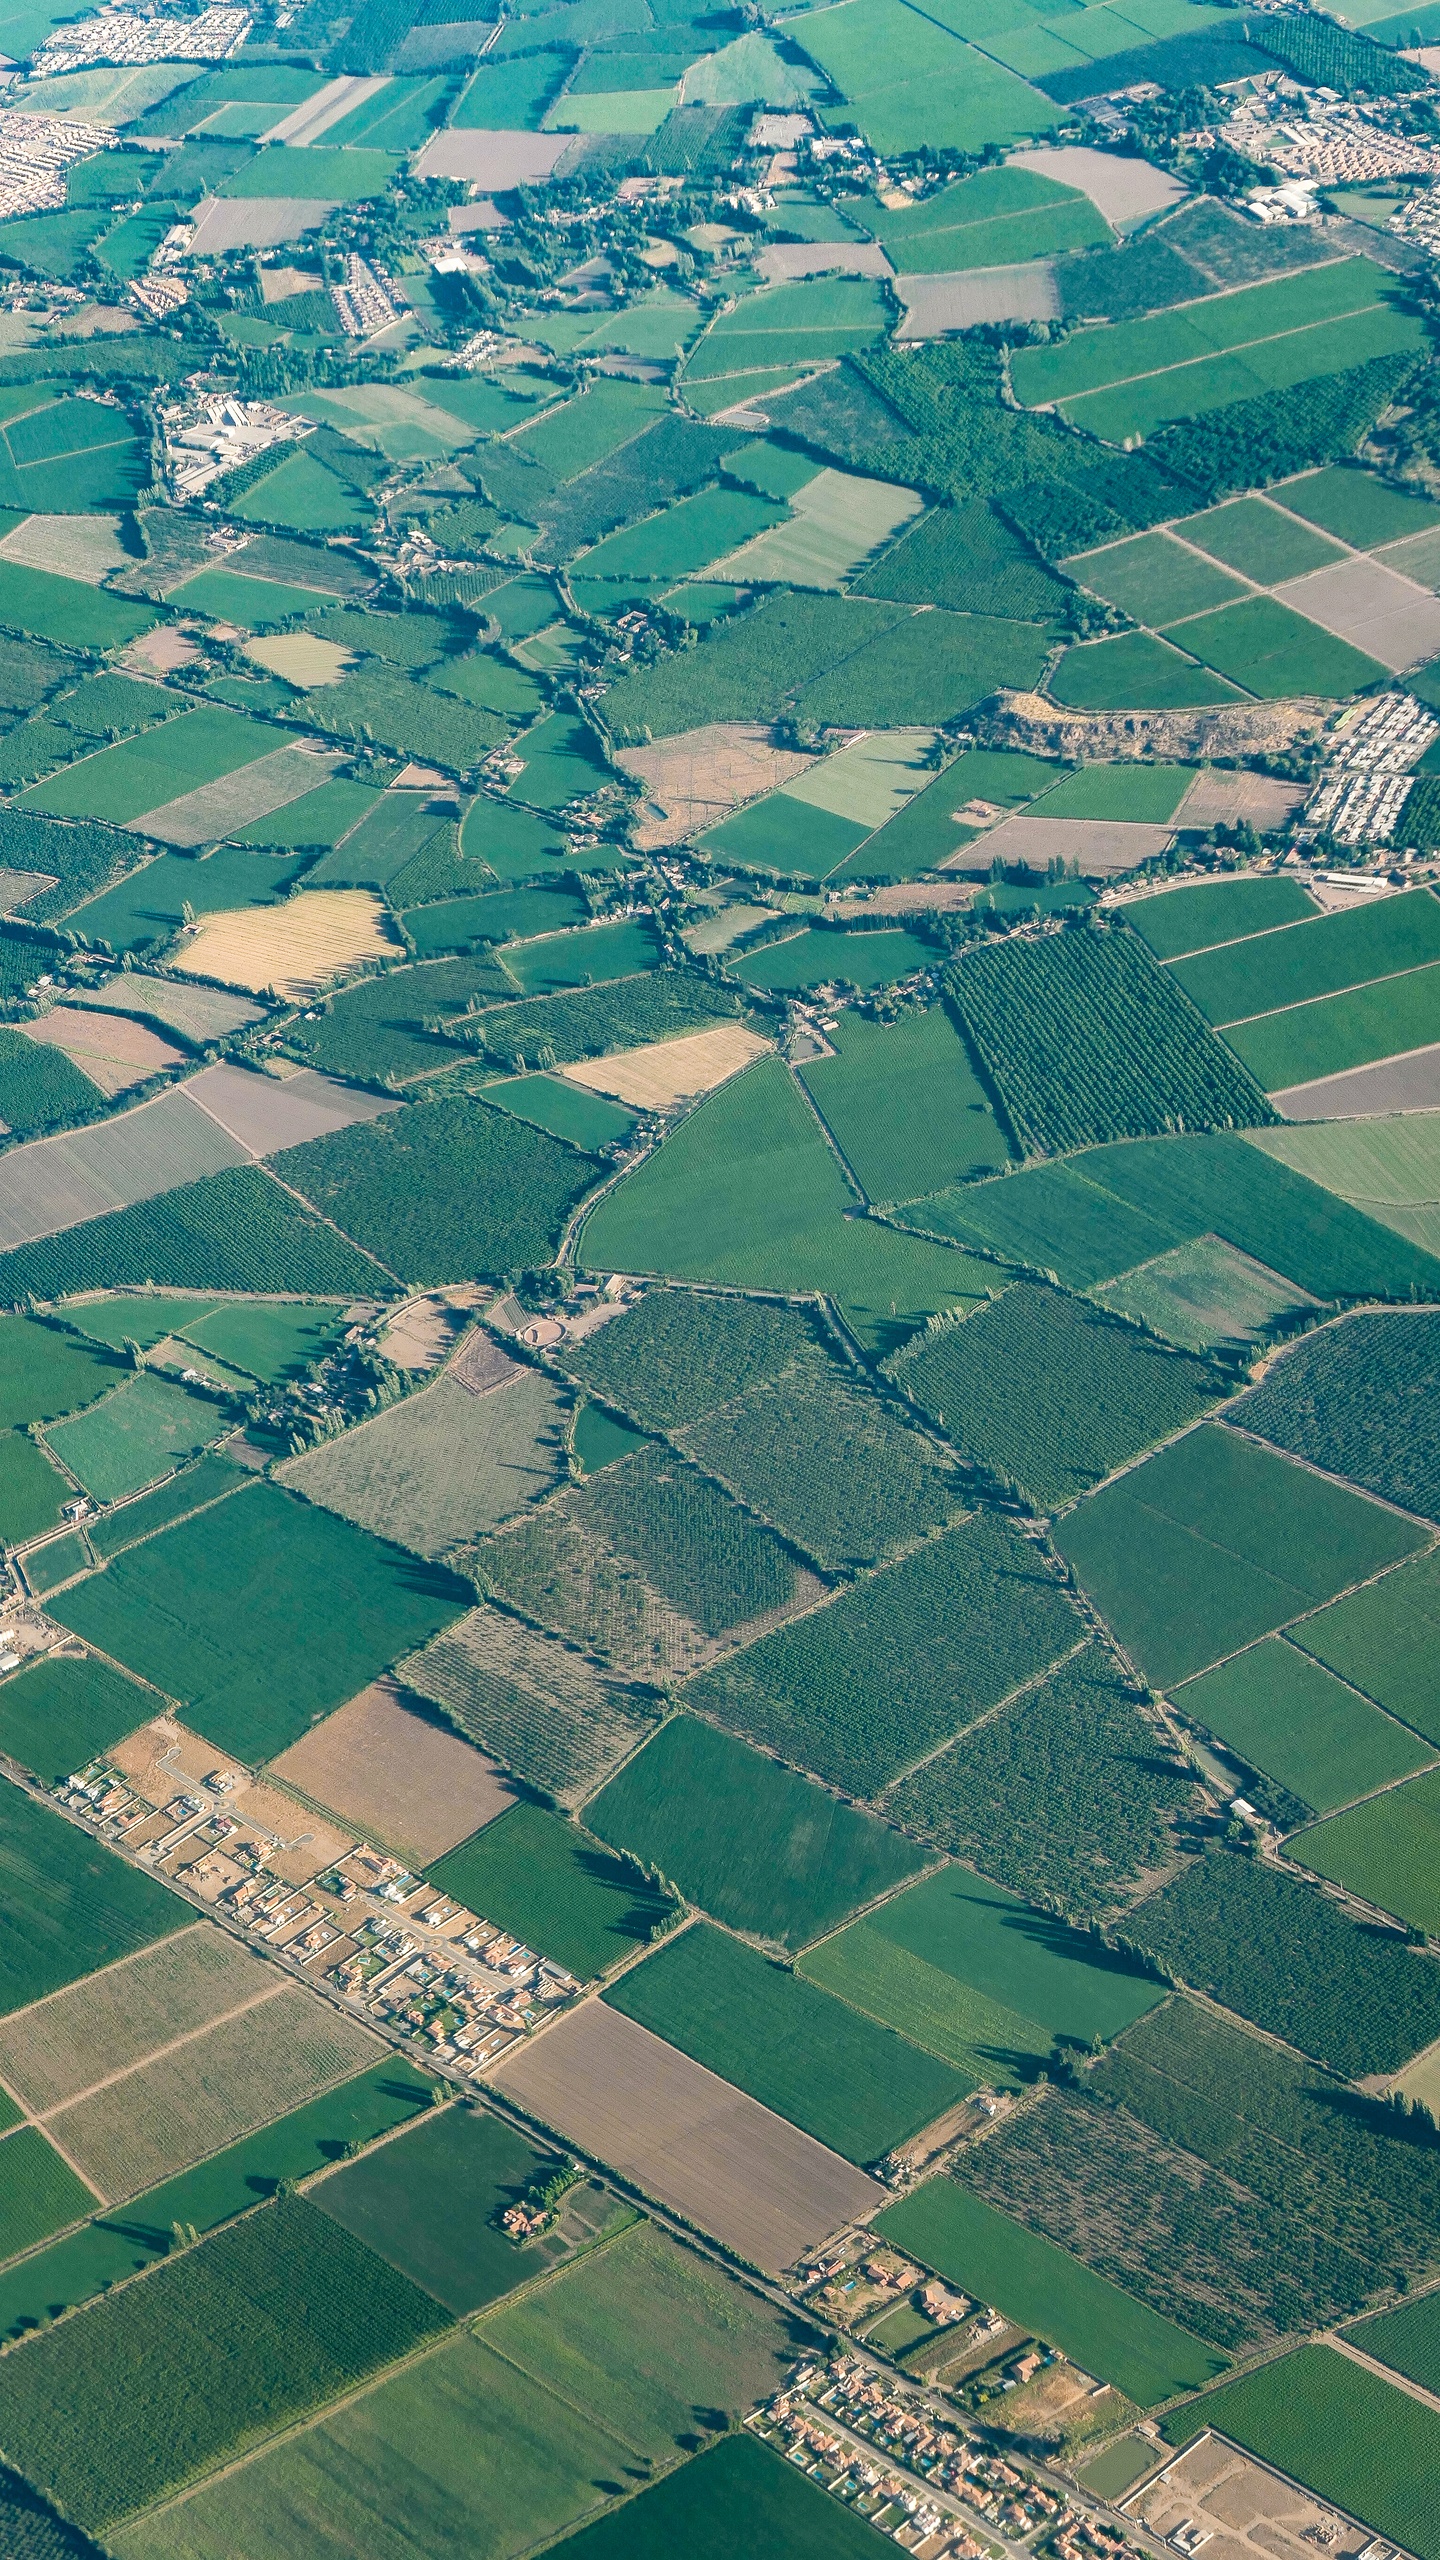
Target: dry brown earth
398 1775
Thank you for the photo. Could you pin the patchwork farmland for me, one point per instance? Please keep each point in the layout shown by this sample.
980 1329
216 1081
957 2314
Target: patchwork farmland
719 1282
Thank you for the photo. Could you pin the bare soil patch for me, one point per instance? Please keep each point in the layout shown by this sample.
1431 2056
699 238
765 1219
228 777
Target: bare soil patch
1410 1083
697 779
975 297
269 1113
1096 846
1248 2510
84 547
112 1049
1217 799
687 2138
404 1779
204 815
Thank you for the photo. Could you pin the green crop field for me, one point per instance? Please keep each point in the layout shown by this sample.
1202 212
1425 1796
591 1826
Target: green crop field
1200 1296
1215 1542
739 2496
1356 507
1134 672
239 2336
550 1883
1346 1399
1050 1394
678 1354
400 2202
1260 541
996 218
1155 580
125 782
1296 1723
1185 920
270 1342
69 1904
1271 651
1385 1851
1078 1740
142 1431
1273 1950
31 1489
1382 1639
849 2082
261 1615
1137 794
813 959
39 2192
1344 2433
1409 2340
905 1105
748 1840
312 2137
1315 958
56 1715
1388 1168
193 1489
60 609
46 1372
1045 2289
445 1190
861 1689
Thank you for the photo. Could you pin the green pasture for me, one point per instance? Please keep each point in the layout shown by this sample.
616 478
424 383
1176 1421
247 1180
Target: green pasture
1134 672
122 783
849 2082
1155 580
1293 1720
1201 1295
39 2192
63 610
400 2202
760 1847
1215 1542
1133 794
979 2037
791 324
144 1430
31 1489
588 1120
254 602
1408 2339
1259 540
1324 1037
260 1615
1000 217
586 958
269 1341
550 1883
1181 921
344 176
1346 500
1105 2331
814 958
45 1372
1272 652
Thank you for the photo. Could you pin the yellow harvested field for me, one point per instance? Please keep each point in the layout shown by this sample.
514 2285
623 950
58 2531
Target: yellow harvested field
301 658
293 949
670 1071
1420 2079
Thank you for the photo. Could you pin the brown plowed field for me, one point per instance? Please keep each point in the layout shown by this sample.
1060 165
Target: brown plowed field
687 2138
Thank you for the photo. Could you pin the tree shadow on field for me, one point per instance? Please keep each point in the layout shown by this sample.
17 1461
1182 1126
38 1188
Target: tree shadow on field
636 1906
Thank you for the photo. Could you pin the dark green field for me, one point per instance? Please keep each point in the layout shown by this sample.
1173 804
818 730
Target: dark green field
66 1904
45 1372
56 1715
552 1885
402 2202
852 2084
750 1841
1408 2339
738 2497
236 2337
261 1614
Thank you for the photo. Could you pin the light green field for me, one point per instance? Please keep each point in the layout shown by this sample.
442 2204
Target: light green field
835 522
1155 580
996 2260
991 2044
122 783
64 610
441 1467
1134 672
142 1431
1200 1294
1144 794
1335 1032
1271 651
1323 2420
1389 1168
1260 541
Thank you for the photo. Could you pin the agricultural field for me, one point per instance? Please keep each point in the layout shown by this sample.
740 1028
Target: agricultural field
210 1609
142 1431
223 2322
678 1354
1147 1061
905 1106
442 1467
1076 1739
58 1714
974 1974
860 1690
548 1882
71 1905
397 2201
539 1704
1383 1852
1272 1950
854 2085
762 1849
1048 1393
1215 1542
1379 1637
1343 2432
1288 1717
1347 1400
1107 2333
